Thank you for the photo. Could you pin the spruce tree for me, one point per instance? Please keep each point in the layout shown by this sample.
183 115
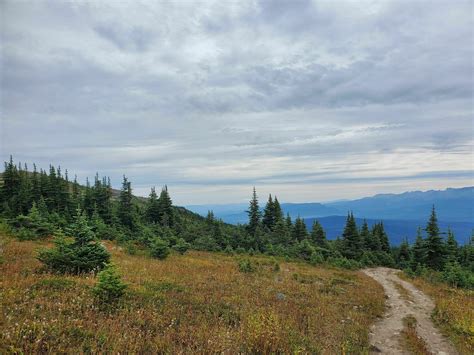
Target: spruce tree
268 220
153 207
366 238
418 256
166 208
254 214
452 249
434 243
125 206
318 235
299 230
351 243
277 211
404 254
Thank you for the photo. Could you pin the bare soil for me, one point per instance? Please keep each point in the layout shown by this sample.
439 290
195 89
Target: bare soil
385 335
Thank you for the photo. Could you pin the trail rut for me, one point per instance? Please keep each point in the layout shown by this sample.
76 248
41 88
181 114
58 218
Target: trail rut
385 335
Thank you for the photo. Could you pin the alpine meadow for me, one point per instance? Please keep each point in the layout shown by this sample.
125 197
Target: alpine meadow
238 177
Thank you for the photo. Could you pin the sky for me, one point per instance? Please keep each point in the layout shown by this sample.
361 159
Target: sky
308 100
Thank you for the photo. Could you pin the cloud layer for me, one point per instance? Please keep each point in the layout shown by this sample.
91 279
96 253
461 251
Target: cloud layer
312 100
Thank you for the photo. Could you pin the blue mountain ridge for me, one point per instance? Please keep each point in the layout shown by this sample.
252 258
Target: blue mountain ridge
401 213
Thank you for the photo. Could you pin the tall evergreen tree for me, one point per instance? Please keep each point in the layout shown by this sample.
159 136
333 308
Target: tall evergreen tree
254 214
404 254
153 207
351 243
434 243
277 211
125 208
268 220
166 208
418 251
366 238
318 235
452 248
299 230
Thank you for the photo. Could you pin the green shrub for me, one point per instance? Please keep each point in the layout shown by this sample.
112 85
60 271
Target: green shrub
109 288
456 276
159 248
246 266
344 263
181 246
240 250
316 259
228 250
84 254
206 243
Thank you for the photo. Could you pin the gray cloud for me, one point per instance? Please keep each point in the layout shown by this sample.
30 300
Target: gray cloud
214 97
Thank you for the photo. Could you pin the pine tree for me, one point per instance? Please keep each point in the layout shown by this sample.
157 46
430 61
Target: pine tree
351 243
153 207
254 214
383 237
404 254
125 207
277 211
318 235
434 244
452 249
268 220
299 230
166 208
418 252
366 237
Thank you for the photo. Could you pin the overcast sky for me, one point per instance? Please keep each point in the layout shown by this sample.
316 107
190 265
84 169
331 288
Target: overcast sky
309 100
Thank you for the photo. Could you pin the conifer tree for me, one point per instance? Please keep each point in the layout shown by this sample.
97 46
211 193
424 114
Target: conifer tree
366 237
318 235
277 211
299 230
289 223
452 249
434 243
125 208
268 220
153 207
404 254
166 208
254 214
351 243
418 251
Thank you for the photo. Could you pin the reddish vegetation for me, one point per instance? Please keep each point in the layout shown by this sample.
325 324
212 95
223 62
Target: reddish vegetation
198 302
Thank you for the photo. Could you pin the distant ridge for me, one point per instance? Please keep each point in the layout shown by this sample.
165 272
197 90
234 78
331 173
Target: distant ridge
402 213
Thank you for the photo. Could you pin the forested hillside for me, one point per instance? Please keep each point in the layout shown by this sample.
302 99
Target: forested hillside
39 204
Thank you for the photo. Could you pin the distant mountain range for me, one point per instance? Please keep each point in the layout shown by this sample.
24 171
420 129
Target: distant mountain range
401 213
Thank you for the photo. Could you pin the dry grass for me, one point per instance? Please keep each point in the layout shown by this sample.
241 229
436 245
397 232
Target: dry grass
197 303
404 293
454 312
413 342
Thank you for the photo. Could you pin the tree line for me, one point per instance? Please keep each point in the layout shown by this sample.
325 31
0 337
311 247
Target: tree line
42 203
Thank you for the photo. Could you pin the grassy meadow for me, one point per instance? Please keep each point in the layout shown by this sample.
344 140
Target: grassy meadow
198 302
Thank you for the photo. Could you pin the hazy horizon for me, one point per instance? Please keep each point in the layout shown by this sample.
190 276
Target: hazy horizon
310 100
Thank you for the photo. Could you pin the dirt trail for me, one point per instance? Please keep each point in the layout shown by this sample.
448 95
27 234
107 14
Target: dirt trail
385 334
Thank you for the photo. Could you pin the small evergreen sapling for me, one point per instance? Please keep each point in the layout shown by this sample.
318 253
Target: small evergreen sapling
109 288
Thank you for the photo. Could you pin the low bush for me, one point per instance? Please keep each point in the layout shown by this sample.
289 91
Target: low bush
181 246
246 266
159 249
109 288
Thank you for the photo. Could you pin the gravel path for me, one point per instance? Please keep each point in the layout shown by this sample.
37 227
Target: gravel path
385 334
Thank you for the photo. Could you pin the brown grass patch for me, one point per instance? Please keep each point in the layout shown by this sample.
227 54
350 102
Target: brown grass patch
198 302
412 341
